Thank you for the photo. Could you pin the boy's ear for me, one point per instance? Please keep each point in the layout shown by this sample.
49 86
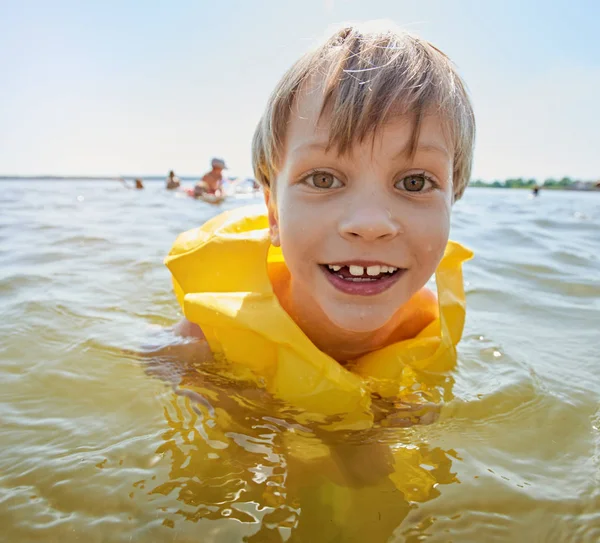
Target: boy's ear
273 219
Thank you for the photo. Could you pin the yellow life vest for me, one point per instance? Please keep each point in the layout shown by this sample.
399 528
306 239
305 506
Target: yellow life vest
220 277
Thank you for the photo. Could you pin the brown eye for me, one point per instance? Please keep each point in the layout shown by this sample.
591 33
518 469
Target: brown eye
323 180
413 183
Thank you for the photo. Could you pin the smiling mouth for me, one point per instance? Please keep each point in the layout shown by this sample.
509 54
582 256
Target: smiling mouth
361 280
361 274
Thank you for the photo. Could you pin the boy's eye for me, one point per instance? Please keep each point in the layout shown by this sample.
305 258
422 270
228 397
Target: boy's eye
414 183
323 180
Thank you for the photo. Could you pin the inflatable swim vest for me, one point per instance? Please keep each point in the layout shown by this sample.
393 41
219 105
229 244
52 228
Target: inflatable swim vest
221 279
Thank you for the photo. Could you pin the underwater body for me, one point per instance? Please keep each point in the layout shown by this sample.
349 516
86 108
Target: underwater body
109 435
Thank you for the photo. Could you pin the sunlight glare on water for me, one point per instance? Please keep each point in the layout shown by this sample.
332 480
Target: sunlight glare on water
104 438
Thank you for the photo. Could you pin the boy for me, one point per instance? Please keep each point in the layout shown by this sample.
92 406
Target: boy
364 146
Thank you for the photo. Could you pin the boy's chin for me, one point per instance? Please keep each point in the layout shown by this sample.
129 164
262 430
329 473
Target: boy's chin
359 319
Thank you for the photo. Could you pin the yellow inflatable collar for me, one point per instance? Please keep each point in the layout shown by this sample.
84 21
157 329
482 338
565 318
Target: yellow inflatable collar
221 281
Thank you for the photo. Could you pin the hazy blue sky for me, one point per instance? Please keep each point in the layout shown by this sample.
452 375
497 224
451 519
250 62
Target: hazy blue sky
117 87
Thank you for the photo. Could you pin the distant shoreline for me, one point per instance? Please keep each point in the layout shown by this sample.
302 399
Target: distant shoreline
541 189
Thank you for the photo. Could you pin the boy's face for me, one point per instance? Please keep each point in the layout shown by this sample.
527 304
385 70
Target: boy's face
360 233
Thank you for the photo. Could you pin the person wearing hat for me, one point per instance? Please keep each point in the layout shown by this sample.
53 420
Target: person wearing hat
212 182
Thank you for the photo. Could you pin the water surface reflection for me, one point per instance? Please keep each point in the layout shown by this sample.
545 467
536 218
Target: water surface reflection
236 453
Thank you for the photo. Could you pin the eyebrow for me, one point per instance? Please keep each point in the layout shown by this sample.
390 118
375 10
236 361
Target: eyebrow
315 146
425 148
422 147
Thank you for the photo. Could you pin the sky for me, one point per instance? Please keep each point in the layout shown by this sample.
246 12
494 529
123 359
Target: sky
141 87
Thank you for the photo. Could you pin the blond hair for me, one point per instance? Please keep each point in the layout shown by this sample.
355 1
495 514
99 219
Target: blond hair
368 78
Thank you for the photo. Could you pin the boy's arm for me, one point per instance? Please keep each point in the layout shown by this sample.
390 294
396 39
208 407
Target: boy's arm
169 360
185 328
189 351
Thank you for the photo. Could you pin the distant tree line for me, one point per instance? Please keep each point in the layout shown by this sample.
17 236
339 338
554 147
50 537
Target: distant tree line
521 183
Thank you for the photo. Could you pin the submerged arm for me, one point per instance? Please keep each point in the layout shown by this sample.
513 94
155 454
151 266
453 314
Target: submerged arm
178 350
185 328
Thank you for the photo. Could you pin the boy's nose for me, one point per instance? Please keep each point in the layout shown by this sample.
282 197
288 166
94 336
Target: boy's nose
369 222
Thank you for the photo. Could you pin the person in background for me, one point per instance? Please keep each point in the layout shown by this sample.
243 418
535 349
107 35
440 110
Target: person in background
138 184
212 182
173 181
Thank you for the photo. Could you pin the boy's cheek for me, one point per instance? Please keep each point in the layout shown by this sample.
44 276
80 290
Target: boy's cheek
298 222
428 222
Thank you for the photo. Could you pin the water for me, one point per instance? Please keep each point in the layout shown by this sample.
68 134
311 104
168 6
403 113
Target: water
102 443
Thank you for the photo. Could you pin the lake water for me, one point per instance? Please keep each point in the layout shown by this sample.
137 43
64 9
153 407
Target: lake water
102 443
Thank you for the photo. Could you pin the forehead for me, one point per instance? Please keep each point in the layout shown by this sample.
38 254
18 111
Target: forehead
309 127
305 119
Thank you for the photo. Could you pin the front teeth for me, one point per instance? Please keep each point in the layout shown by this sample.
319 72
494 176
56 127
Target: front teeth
373 270
356 270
